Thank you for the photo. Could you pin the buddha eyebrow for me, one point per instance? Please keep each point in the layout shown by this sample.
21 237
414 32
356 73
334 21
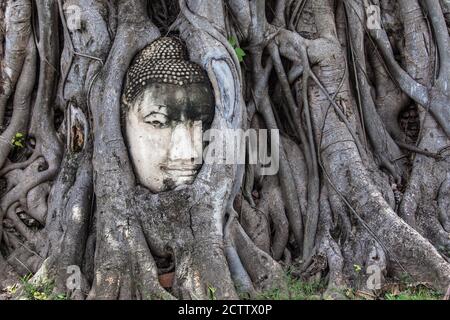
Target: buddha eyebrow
155 113
144 108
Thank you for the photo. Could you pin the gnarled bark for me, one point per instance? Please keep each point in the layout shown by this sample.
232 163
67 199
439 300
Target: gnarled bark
363 175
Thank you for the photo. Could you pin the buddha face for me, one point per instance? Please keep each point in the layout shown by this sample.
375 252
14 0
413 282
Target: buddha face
163 130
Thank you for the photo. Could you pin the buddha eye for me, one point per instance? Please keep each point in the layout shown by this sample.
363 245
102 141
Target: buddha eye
157 120
156 123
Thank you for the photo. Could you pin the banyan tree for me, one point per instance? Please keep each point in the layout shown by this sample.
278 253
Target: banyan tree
105 108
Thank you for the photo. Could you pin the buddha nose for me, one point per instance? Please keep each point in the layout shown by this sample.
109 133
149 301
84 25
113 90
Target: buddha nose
182 146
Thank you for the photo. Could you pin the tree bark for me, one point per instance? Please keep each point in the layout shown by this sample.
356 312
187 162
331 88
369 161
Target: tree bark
364 172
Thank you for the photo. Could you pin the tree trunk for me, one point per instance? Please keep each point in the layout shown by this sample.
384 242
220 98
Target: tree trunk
362 106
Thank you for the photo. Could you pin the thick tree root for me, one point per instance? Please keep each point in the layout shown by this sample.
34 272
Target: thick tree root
332 208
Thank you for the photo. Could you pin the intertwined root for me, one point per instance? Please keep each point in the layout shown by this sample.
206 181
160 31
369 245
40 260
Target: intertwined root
345 194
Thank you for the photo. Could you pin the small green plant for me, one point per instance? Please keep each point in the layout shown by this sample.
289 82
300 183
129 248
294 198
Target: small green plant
42 290
400 289
357 268
349 293
11 290
296 290
18 140
212 293
407 289
240 53
414 294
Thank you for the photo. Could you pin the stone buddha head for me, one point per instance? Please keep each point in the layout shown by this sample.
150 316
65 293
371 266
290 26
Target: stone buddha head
167 102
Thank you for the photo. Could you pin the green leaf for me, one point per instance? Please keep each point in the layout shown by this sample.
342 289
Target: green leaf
358 268
240 54
212 292
18 140
232 41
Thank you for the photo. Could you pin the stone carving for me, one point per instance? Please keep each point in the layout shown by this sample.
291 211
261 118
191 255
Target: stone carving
167 102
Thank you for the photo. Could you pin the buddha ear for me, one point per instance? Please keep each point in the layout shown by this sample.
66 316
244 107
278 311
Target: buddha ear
125 104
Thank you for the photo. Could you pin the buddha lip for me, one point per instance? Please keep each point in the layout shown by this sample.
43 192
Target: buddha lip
182 173
185 170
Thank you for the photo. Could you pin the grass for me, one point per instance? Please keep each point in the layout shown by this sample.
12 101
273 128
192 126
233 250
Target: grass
402 289
42 290
296 290
406 289
414 294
